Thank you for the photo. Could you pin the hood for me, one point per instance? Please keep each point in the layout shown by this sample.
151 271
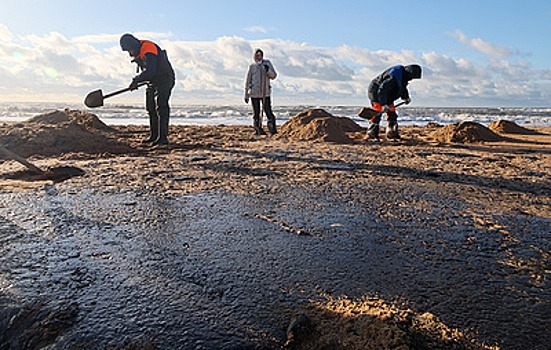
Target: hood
130 43
413 71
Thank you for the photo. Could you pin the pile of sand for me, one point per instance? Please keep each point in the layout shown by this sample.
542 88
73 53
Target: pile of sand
61 132
372 324
508 127
319 125
87 120
465 132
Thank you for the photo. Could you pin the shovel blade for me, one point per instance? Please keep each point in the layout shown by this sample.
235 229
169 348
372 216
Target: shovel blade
368 113
94 99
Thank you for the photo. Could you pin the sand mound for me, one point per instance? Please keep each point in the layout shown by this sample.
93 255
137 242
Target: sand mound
508 127
465 132
61 132
85 119
319 125
372 324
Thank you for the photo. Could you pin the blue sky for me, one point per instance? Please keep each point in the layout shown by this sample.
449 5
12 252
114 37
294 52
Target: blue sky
476 53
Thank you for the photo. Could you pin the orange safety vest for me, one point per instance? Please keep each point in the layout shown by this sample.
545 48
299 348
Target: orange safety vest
148 47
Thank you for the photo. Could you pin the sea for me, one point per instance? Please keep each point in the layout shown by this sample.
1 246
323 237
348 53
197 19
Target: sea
119 114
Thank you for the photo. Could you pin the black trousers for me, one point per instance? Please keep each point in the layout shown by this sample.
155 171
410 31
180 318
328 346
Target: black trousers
157 96
267 109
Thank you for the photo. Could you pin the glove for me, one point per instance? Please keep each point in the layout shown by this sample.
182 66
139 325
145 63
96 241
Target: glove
407 101
246 98
133 85
266 68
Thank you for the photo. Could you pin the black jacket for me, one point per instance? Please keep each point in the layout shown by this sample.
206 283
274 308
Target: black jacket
392 84
151 59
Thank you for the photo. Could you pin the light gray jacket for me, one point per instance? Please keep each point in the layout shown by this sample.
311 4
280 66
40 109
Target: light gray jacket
256 75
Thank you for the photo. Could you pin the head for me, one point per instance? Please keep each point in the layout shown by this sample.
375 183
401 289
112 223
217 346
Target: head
130 44
258 55
413 71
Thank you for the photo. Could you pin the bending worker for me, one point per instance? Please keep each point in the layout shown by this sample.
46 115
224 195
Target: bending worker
157 71
383 91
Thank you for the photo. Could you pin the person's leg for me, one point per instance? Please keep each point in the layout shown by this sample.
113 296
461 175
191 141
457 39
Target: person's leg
270 114
152 112
373 131
373 128
163 90
256 118
392 128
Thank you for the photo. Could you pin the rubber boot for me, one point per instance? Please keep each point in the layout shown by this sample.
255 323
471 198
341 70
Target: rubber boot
153 130
373 131
258 128
272 126
153 116
392 131
163 132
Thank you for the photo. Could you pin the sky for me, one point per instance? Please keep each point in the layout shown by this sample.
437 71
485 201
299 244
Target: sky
473 53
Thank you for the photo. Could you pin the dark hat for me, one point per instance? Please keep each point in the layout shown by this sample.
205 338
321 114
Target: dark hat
130 43
413 71
258 51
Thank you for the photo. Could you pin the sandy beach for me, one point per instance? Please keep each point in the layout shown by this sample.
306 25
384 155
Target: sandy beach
311 239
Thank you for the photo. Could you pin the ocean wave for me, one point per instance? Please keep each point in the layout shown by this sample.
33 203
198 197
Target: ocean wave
242 115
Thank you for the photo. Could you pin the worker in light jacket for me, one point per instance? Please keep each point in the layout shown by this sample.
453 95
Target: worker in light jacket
258 89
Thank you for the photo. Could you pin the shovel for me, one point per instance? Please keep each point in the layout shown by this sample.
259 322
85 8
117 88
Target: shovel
7 154
369 113
57 174
95 98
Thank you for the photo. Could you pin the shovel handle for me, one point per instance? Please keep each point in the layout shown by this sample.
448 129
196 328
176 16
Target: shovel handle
123 90
10 155
399 104
396 106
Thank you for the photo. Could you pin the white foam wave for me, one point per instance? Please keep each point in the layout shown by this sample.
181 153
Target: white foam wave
242 115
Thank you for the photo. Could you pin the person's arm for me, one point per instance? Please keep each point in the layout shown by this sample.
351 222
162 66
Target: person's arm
150 68
248 82
384 90
270 73
405 93
399 75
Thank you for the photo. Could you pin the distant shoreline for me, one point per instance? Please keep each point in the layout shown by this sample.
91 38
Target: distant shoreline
130 114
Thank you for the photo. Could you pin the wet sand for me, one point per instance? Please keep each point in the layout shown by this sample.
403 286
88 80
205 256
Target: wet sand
220 239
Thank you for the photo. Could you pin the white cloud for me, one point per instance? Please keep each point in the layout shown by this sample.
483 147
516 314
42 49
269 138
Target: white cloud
543 74
445 66
5 34
214 71
483 46
256 29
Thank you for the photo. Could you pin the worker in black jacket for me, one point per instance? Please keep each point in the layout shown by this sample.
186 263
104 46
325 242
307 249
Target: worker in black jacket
157 71
383 91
